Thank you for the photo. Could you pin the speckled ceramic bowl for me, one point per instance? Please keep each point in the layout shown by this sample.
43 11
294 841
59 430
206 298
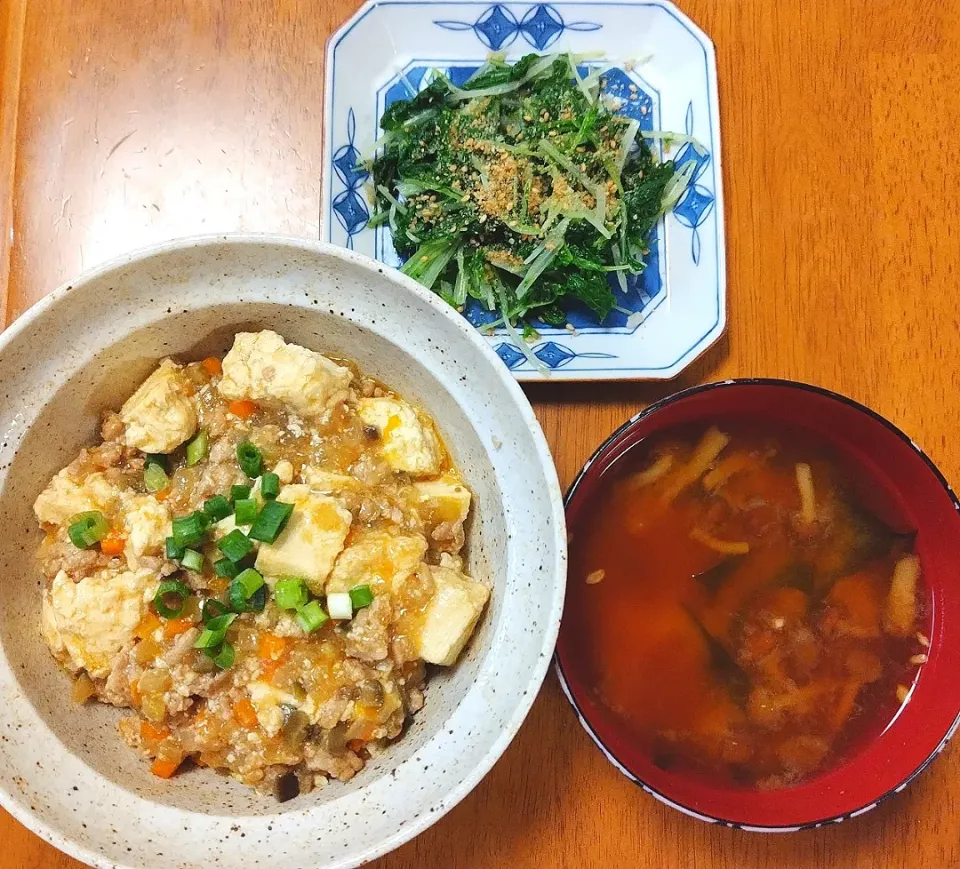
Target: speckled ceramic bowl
64 771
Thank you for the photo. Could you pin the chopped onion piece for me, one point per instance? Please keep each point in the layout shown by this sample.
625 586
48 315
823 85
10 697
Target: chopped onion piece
725 547
808 503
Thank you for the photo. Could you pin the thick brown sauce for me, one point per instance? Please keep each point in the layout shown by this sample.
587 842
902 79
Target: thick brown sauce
760 668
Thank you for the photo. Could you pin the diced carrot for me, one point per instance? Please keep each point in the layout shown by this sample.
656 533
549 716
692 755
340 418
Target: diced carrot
244 408
153 733
148 624
175 627
112 545
273 652
245 714
162 495
272 647
268 669
356 744
212 366
165 768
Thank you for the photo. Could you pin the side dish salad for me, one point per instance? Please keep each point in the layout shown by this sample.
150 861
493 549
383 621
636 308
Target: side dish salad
523 189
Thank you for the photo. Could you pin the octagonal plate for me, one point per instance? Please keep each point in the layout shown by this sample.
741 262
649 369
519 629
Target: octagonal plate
663 69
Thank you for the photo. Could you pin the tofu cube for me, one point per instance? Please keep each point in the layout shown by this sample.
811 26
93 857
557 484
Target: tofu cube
330 482
445 499
87 623
261 366
312 540
406 442
64 498
381 559
160 415
147 524
451 615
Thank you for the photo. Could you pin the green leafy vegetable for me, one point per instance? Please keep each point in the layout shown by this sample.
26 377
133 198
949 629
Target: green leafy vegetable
521 190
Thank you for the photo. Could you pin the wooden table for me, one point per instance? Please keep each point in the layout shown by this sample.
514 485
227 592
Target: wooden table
127 123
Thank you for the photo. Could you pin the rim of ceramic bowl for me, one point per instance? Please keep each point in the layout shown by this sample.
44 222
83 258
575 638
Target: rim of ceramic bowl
21 811
581 715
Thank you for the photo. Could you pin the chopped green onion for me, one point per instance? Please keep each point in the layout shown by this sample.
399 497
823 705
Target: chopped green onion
250 459
251 580
238 493
211 609
171 588
240 603
361 596
290 594
197 449
243 592
155 459
87 528
155 478
174 550
271 521
236 546
245 511
189 530
209 639
258 600
220 623
224 658
339 605
270 485
215 631
226 568
192 560
311 616
217 507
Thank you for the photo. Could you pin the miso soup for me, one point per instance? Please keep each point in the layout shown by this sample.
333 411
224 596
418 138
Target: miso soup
741 609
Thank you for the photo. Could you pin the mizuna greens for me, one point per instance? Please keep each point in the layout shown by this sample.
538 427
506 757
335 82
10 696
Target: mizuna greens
521 189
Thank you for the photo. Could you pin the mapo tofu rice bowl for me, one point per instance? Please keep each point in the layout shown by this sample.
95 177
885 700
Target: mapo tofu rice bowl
258 561
286 558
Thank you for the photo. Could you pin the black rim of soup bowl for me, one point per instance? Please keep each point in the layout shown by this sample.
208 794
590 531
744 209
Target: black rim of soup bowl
564 684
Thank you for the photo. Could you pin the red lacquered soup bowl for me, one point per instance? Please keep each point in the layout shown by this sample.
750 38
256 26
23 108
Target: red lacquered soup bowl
903 487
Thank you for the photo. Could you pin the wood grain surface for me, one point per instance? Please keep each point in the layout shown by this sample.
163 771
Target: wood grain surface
128 123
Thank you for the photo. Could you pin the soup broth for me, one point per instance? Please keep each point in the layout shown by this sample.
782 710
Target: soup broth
741 609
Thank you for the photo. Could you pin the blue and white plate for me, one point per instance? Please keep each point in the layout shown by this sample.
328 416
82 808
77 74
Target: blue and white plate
392 46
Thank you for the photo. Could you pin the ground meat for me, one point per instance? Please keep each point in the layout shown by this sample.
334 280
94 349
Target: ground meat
58 553
448 536
122 464
414 700
112 428
224 451
182 647
216 422
116 690
343 767
331 712
158 564
368 638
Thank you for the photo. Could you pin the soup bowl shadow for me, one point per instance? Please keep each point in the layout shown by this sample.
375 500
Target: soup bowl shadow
903 487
